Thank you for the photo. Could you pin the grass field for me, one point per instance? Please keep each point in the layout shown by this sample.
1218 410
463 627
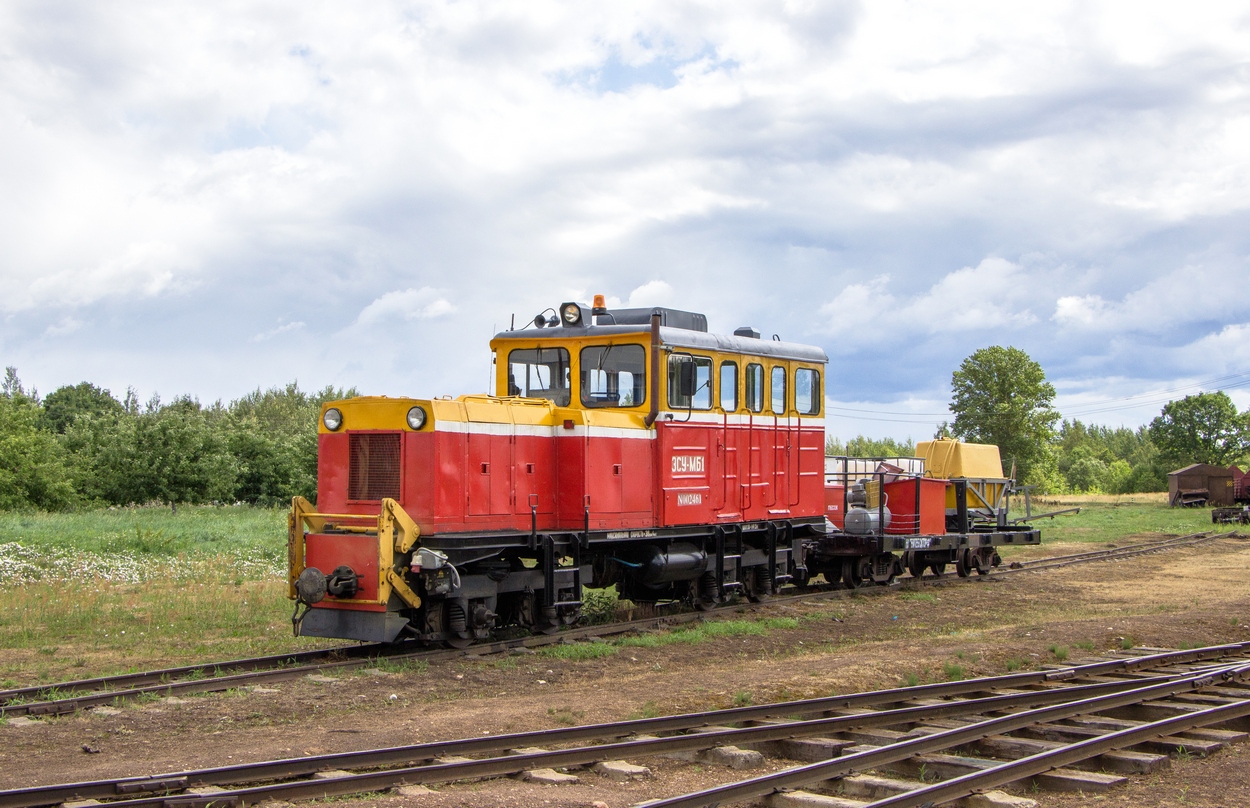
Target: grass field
1108 518
112 590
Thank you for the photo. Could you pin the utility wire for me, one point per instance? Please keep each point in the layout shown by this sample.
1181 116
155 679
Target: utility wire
1088 408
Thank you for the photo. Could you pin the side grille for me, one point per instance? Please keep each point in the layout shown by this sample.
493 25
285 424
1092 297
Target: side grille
374 466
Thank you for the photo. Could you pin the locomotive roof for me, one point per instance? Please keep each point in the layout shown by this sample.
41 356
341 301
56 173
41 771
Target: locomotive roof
677 338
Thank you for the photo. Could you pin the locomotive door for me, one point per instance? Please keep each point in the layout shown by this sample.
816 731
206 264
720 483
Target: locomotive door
489 474
757 487
725 496
779 437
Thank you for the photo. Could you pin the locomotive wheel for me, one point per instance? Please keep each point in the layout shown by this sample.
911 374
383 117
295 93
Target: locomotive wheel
458 642
754 587
938 568
705 593
962 565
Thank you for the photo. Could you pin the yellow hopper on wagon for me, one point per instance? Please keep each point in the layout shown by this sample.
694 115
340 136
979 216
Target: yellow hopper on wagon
979 465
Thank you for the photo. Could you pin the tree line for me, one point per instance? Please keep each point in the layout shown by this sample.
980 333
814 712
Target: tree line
1001 396
81 446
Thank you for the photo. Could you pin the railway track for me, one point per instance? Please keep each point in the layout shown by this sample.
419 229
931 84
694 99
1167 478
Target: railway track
68 697
1083 726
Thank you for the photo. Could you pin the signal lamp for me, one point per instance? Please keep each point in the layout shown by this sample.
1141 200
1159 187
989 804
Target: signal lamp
571 313
599 306
416 417
333 419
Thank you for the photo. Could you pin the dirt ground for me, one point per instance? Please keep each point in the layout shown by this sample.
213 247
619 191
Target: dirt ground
1190 597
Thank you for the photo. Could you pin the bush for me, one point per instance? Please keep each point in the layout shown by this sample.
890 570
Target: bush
33 466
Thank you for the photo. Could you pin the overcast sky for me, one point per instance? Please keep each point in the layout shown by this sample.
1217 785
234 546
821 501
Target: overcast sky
211 197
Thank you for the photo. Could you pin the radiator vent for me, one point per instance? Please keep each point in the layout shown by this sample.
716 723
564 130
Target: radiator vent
374 466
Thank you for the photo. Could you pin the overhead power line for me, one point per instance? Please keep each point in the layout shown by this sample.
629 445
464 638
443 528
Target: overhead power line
1153 397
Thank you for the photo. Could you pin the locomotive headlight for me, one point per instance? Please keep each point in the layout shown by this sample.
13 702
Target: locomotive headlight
416 417
333 419
571 313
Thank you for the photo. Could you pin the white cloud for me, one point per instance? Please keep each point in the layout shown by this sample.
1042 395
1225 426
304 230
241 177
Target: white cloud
278 331
651 293
1188 294
993 295
173 180
407 305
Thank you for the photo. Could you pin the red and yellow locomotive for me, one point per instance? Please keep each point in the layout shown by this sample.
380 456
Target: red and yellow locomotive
627 447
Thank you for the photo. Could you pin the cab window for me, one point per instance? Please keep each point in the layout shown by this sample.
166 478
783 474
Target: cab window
779 390
807 391
689 382
613 375
539 373
729 386
755 387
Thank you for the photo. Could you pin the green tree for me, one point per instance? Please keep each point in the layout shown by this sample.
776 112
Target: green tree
273 435
1001 396
175 453
65 404
860 446
1202 428
33 472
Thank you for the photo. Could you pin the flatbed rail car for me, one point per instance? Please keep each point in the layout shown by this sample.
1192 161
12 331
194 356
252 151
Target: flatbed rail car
625 447
882 506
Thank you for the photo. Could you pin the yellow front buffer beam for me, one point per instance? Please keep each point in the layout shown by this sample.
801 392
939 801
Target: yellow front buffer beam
396 533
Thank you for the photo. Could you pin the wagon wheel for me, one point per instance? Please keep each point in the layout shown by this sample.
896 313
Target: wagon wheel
458 642
915 564
938 568
983 560
851 578
962 564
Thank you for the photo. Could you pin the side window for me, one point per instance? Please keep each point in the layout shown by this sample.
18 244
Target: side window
613 375
755 387
729 386
539 373
779 390
689 382
807 391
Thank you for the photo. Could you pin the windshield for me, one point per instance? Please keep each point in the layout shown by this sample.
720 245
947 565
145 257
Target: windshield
539 373
613 375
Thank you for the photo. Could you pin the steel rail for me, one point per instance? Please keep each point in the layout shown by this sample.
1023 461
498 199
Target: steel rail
1042 762
881 756
1129 551
140 678
253 675
81 701
644 747
47 795
514 764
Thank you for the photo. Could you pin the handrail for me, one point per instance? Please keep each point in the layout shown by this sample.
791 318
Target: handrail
654 411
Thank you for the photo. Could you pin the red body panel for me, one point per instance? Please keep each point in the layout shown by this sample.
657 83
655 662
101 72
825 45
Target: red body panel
484 479
901 500
358 551
835 500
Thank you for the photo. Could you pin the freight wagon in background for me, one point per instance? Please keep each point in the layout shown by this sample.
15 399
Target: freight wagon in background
628 448
1202 484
